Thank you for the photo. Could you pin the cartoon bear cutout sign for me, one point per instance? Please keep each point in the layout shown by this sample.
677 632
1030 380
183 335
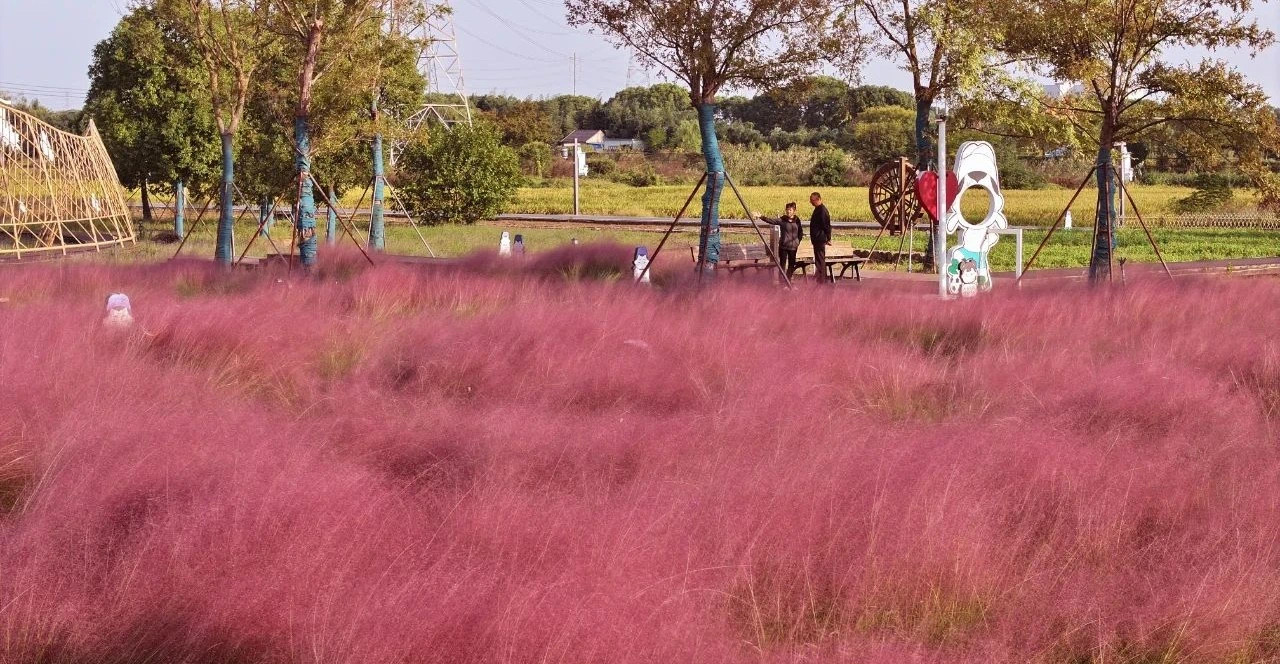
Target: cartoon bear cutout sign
969 271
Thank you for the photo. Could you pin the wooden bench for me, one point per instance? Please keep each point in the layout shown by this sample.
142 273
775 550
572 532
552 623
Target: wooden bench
846 260
738 257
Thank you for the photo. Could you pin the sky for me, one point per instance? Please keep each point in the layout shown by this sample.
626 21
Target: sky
518 47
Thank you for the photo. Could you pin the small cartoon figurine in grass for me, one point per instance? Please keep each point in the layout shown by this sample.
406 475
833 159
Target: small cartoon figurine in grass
640 266
119 312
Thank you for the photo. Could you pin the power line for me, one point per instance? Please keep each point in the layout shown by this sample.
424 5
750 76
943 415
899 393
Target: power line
544 77
37 86
482 40
539 13
519 31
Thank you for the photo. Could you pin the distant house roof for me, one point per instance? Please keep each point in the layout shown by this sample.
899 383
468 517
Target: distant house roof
584 136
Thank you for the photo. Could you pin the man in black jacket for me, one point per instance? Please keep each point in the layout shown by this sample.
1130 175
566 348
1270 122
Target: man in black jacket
792 232
820 235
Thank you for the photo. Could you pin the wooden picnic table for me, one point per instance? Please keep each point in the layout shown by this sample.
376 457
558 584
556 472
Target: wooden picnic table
845 263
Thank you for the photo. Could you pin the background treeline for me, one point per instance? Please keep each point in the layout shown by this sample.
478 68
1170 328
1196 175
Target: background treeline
151 101
150 97
818 130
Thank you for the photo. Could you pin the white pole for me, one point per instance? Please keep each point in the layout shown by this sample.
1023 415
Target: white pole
576 158
1019 257
940 240
1124 154
911 243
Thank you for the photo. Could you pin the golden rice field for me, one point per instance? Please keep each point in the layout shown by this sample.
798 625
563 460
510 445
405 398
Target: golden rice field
1037 207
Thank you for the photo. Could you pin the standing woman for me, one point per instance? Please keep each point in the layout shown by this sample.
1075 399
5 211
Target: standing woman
792 233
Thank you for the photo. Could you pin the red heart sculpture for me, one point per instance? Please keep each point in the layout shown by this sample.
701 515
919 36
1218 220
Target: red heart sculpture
927 192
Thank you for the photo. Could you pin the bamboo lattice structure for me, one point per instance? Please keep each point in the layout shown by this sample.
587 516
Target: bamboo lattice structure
58 191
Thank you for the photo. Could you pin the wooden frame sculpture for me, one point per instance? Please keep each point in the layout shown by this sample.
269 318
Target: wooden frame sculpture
58 192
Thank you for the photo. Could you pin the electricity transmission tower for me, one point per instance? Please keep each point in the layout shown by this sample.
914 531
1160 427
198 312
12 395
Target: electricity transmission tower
637 74
440 63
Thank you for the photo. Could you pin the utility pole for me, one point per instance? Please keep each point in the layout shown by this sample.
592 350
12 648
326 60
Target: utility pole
575 74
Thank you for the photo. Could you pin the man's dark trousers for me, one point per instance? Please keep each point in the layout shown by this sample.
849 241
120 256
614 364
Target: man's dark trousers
820 261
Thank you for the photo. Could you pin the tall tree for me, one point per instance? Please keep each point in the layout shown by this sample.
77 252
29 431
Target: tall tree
364 81
230 37
1117 51
943 44
395 92
319 35
709 44
152 108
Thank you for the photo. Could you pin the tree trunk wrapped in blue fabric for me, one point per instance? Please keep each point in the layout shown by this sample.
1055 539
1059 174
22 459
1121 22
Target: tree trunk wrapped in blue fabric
710 233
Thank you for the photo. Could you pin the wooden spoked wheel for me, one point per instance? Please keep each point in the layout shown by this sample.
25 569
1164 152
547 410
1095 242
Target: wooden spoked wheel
892 196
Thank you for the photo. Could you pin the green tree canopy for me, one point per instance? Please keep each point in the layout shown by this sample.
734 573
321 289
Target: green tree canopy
815 102
653 113
864 97
378 66
460 175
882 134
149 101
522 122
570 112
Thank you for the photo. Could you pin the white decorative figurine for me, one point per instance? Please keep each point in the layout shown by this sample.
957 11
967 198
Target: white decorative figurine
504 245
969 271
639 266
119 313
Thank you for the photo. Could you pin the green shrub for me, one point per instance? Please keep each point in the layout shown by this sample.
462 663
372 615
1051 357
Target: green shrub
461 175
535 157
1016 174
829 169
598 164
641 177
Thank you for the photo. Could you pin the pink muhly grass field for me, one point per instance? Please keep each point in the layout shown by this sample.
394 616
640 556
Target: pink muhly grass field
497 464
